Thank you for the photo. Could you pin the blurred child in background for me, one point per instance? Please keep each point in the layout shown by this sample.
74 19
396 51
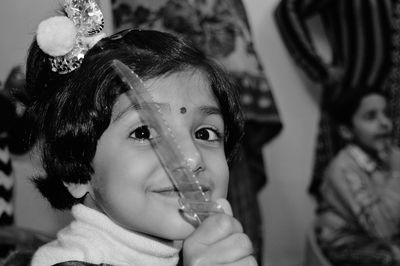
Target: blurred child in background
359 217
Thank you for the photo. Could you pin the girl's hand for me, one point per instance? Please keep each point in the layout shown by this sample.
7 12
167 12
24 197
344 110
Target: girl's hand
219 240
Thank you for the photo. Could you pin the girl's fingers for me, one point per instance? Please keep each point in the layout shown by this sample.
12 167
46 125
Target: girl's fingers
214 229
231 249
247 261
225 206
219 240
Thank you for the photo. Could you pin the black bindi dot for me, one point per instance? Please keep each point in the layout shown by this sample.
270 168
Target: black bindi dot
183 110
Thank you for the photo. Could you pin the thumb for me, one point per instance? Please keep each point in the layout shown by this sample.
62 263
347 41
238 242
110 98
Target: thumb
225 206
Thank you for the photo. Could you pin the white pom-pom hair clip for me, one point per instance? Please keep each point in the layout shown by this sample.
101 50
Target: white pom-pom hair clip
66 39
52 40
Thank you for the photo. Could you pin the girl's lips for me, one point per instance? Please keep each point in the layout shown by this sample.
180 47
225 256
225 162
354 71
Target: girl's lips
168 193
383 137
173 192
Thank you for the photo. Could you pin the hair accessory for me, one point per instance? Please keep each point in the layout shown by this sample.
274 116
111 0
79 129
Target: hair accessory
67 39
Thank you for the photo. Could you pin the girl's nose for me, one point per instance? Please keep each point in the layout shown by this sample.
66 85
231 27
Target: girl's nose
193 157
195 163
386 121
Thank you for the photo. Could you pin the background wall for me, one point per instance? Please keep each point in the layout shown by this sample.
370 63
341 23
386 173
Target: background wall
286 206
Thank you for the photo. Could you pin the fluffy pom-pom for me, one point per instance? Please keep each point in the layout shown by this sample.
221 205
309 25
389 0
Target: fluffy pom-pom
56 35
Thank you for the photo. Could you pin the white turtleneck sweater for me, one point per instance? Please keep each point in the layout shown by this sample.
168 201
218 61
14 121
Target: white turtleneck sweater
93 237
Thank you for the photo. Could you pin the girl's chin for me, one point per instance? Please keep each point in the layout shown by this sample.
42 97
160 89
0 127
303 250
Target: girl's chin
384 146
168 228
377 148
179 231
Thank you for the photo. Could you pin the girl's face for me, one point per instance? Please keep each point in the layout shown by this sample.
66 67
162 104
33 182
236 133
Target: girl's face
371 127
130 185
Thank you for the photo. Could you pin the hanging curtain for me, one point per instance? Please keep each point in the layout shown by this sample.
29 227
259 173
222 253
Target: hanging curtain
393 84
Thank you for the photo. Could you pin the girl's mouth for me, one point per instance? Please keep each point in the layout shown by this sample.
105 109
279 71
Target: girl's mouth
171 193
187 190
384 135
386 138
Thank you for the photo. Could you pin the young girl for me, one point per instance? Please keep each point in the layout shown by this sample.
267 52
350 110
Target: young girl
359 218
97 155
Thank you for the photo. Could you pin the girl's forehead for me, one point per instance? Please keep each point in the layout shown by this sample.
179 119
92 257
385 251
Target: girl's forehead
179 92
372 101
189 87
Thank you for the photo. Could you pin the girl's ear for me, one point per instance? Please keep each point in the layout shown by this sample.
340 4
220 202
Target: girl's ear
78 190
346 133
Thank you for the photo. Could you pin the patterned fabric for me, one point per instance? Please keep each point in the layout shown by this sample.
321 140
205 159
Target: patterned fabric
6 183
327 145
359 253
6 191
394 77
359 35
220 29
358 32
7 179
359 217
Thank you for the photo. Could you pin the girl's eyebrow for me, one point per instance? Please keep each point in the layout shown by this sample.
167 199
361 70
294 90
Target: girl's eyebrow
165 107
210 110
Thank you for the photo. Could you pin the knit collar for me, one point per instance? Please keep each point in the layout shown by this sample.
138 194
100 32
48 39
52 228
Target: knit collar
362 158
93 237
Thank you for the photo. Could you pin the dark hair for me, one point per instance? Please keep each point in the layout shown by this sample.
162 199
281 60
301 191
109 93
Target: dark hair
74 109
343 109
8 114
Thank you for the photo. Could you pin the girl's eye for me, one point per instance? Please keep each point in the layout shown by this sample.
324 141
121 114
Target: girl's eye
143 133
208 134
370 115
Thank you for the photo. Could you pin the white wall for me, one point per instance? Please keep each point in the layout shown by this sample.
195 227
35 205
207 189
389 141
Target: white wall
287 208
